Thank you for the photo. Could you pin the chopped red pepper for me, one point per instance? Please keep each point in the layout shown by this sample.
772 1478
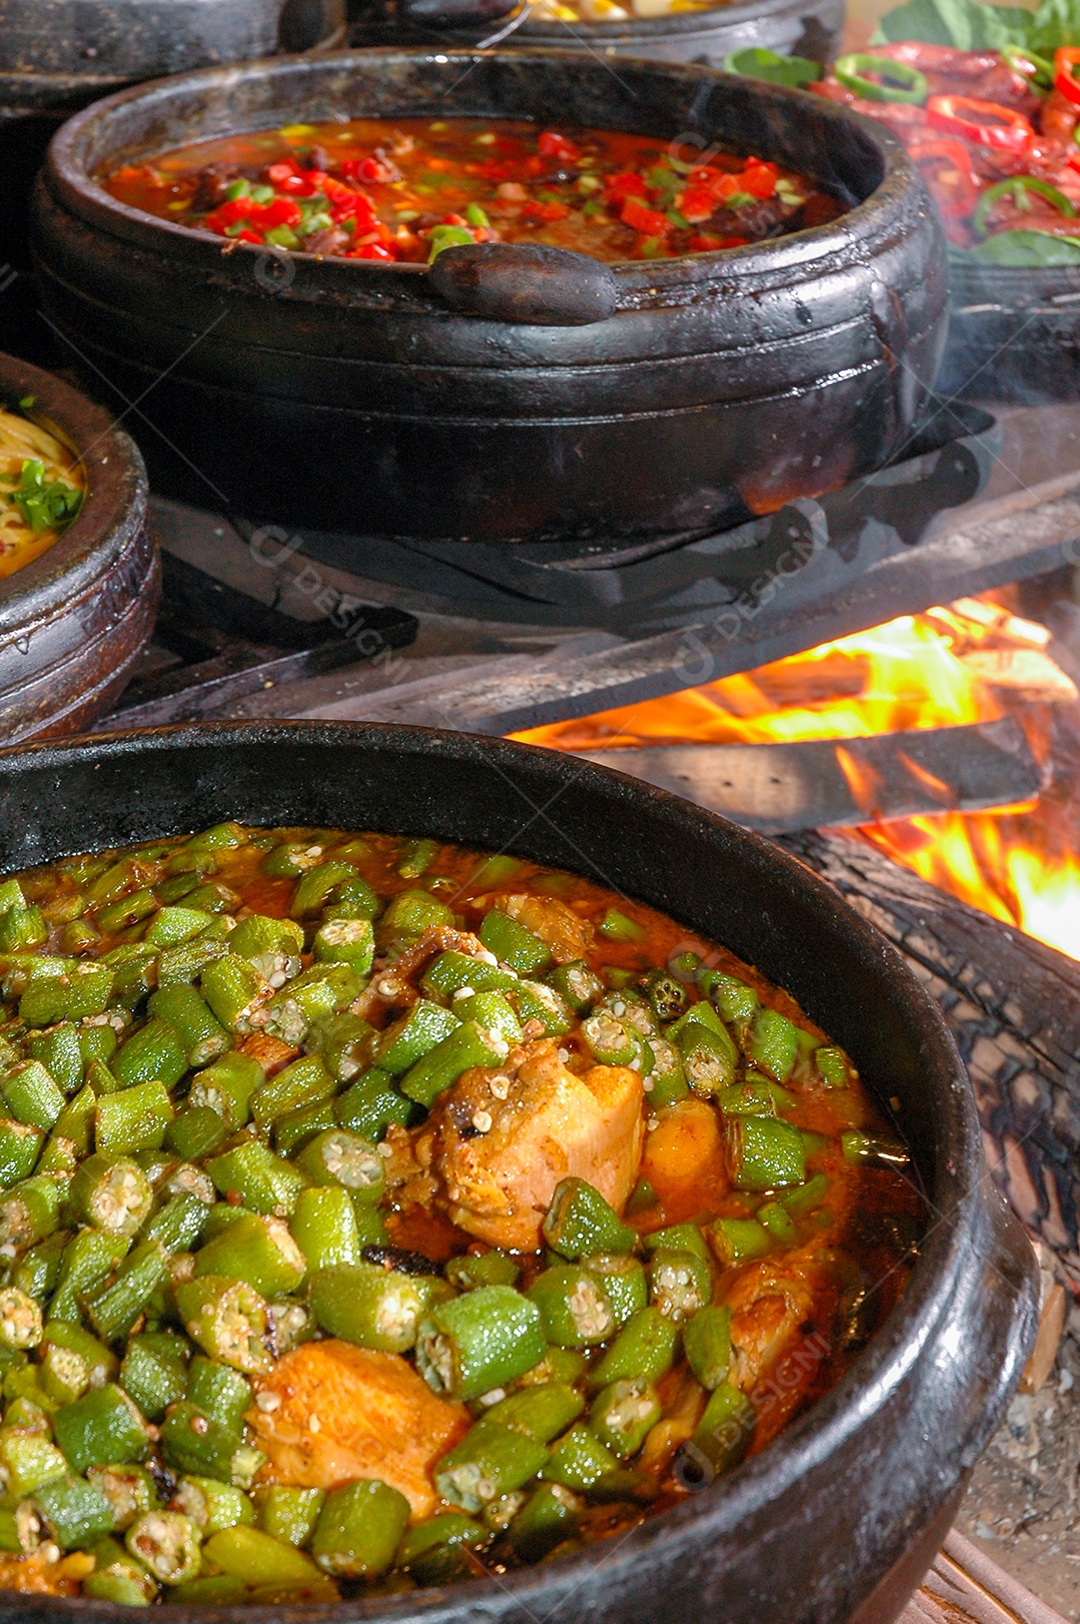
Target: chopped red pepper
373 250
248 235
626 184
987 123
759 179
697 203
552 145
650 222
281 212
543 211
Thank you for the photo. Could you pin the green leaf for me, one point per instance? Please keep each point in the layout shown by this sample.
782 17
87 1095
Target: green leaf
756 63
44 504
1028 249
968 25
1053 24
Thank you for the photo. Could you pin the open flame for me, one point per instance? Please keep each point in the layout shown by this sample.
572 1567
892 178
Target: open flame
974 661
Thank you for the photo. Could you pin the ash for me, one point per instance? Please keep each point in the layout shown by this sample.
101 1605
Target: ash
1023 1505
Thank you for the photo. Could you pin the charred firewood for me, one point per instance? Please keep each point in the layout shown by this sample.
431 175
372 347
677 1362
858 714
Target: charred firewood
1014 1009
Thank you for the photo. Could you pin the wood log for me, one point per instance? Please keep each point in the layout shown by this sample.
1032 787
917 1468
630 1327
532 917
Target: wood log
965 1587
1014 1009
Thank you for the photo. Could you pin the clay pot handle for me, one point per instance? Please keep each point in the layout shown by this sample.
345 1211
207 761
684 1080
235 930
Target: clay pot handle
525 282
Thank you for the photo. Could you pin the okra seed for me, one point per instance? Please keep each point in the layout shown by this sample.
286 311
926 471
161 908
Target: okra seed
500 1087
268 1402
49 1552
482 1121
314 1424
388 987
385 1150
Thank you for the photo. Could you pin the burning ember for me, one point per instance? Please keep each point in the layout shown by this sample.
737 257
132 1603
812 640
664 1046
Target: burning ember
972 662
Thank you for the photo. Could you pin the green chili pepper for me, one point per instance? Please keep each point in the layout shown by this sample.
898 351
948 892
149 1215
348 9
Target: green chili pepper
896 81
1018 188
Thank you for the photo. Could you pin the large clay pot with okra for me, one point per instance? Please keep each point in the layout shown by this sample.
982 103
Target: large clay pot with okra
605 402
835 1520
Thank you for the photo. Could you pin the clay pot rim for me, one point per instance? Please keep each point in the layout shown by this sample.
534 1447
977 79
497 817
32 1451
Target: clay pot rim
708 21
112 512
879 217
957 1195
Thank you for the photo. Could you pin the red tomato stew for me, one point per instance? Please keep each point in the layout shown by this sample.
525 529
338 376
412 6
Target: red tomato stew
405 190
379 1214
995 137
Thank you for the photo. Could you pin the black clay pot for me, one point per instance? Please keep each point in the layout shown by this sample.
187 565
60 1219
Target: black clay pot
73 622
59 55
835 1521
723 382
1014 334
808 28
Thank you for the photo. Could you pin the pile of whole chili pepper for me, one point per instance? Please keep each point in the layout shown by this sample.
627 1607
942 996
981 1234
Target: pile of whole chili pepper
994 134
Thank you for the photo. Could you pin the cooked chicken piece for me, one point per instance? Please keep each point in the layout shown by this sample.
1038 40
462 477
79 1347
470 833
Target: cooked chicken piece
500 1141
330 1412
768 1301
566 934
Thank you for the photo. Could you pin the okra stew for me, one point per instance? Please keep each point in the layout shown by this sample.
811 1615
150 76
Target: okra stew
379 1214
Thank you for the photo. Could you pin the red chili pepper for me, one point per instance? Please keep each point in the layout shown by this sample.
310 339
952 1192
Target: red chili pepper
984 122
373 250
625 184
1065 79
552 145
369 170
249 236
950 177
650 222
759 179
285 169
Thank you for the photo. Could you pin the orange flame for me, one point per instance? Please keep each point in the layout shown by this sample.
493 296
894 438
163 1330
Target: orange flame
970 662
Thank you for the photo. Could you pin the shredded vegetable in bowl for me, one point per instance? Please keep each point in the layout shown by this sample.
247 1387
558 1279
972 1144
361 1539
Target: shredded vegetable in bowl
41 490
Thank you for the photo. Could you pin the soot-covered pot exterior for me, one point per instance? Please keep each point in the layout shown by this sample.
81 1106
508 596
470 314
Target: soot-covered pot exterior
723 382
74 621
837 1520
